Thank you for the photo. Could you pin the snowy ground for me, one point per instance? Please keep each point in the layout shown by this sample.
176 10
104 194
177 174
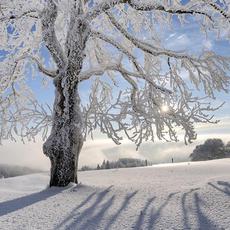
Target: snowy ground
169 196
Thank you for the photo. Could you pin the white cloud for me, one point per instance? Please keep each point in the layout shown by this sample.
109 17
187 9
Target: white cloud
170 36
180 42
207 44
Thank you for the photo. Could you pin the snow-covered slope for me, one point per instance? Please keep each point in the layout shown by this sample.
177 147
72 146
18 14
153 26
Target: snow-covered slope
169 196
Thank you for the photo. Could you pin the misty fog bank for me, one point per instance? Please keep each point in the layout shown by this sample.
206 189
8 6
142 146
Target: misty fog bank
14 170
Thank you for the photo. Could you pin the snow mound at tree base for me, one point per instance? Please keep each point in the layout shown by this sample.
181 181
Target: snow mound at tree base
193 195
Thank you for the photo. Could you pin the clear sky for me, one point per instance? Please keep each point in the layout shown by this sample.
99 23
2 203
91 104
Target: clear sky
185 37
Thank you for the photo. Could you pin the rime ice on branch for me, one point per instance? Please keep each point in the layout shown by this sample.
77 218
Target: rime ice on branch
114 39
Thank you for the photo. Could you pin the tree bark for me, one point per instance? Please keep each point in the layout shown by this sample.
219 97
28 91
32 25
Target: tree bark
66 139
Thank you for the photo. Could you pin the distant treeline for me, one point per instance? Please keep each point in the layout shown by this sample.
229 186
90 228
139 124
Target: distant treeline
12 171
211 149
121 163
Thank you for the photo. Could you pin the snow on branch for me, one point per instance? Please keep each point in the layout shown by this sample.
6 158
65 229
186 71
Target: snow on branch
209 66
158 7
30 13
101 8
118 40
41 68
144 113
29 121
119 119
142 6
198 7
146 47
48 18
217 8
100 70
117 45
21 114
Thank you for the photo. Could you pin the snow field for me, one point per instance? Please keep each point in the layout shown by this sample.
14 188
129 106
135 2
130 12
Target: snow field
194 195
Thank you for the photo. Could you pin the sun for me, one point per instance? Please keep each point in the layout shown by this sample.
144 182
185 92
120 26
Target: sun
164 108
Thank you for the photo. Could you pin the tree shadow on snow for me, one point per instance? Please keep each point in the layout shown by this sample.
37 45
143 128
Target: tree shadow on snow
97 206
125 203
140 221
156 214
186 208
22 202
91 216
203 221
83 203
222 186
194 208
149 215
100 209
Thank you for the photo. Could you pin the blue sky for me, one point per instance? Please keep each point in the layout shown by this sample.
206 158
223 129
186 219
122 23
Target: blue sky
185 37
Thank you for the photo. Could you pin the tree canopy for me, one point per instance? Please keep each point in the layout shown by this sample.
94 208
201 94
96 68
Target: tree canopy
211 149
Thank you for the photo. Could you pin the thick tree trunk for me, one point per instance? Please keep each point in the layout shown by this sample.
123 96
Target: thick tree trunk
65 141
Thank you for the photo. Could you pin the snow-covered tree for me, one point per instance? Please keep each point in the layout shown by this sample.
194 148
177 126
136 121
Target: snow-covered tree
211 149
106 42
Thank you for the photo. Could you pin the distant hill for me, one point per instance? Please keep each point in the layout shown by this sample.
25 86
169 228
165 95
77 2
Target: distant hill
12 170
